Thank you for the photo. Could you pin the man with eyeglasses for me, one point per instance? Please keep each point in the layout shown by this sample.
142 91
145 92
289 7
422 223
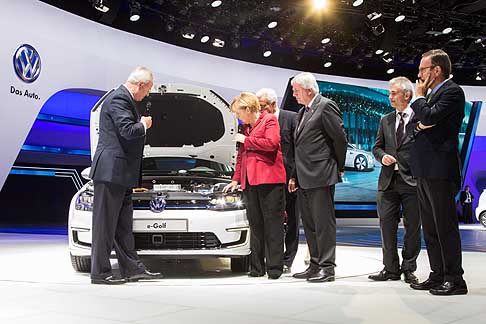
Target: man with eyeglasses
436 165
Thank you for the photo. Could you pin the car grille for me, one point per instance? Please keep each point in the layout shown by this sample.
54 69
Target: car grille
173 204
176 241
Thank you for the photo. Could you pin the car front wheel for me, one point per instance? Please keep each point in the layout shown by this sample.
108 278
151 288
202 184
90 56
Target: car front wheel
241 264
81 264
360 163
482 218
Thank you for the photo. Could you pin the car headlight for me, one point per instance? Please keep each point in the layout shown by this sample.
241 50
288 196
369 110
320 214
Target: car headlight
229 201
85 201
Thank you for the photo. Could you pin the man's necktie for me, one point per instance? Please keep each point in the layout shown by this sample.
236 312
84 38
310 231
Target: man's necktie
401 128
429 97
305 116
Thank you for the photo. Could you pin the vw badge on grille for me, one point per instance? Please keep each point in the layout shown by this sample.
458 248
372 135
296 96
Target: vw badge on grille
157 205
27 63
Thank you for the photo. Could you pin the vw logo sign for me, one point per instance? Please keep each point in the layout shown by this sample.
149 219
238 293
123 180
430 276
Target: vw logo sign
157 205
27 63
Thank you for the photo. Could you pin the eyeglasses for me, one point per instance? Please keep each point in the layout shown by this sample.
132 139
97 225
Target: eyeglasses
426 67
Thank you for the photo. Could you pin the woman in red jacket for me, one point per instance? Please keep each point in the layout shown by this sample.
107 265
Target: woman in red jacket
261 174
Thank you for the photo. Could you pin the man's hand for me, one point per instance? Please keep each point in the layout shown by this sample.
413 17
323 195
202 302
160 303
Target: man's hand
147 120
230 186
388 160
240 138
422 126
422 86
292 185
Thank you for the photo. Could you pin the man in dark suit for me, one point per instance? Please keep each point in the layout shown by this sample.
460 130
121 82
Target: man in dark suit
396 186
115 171
437 167
287 121
466 198
320 153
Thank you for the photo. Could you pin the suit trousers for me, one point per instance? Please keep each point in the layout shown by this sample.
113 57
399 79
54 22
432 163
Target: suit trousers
112 228
399 194
467 213
292 229
437 208
265 205
316 207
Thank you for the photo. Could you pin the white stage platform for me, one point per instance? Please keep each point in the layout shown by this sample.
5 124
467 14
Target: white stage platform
38 285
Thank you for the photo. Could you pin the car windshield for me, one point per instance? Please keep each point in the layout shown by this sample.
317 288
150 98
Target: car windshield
182 166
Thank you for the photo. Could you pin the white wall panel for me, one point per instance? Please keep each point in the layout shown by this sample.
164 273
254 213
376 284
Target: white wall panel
78 53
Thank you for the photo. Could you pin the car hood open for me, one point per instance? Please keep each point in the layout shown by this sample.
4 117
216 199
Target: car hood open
187 121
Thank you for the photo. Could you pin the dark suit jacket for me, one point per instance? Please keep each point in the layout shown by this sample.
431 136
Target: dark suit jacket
385 143
435 153
320 145
463 196
288 123
259 159
119 152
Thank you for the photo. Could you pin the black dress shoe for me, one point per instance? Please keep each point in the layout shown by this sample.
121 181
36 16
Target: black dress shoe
146 275
305 274
449 288
384 275
255 274
321 276
410 277
110 280
426 285
274 275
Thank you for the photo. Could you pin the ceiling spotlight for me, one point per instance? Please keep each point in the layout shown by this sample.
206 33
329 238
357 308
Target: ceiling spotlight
134 11
188 35
399 18
235 42
327 64
100 5
325 40
447 30
205 39
378 29
272 24
216 3
218 42
320 4
379 51
267 53
357 3
390 71
170 24
374 15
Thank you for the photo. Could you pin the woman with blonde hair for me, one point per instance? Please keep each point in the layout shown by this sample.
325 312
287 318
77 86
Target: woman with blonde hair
261 174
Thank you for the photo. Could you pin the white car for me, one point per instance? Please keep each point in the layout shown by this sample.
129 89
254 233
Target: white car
481 209
180 210
359 160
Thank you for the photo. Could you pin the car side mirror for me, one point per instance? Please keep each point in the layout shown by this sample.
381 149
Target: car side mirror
85 173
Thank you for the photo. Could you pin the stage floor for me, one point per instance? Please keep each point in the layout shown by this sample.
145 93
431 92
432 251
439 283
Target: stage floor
38 285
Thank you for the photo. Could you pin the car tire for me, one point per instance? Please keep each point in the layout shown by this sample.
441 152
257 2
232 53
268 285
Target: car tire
482 218
80 263
360 163
241 264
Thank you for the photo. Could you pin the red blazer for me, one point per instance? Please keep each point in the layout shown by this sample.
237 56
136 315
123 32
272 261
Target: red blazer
260 157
